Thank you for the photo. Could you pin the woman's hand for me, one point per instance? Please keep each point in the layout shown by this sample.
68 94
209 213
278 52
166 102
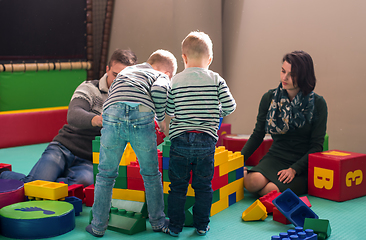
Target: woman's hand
286 175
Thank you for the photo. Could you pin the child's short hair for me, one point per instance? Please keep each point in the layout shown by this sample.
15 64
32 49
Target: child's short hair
126 57
197 44
166 59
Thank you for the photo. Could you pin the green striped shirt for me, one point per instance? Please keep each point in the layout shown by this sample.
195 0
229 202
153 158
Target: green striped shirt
196 100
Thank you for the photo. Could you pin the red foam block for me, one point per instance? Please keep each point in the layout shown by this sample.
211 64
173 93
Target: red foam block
235 142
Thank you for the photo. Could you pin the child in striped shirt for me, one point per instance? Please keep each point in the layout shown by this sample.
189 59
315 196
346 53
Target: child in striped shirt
196 100
135 98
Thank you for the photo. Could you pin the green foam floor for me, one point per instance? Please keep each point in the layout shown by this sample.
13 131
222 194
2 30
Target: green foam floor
346 218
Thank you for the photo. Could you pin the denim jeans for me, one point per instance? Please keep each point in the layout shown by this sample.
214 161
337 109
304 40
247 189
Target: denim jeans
122 124
191 152
57 164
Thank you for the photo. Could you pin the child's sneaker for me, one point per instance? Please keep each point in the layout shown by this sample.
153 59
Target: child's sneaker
203 232
90 230
168 231
166 224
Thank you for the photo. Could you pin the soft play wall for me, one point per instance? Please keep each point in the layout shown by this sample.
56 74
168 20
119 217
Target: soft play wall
33 105
45 56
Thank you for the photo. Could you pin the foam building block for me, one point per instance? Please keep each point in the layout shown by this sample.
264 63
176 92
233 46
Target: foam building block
297 233
279 217
132 206
159 135
320 227
235 142
256 211
227 182
40 189
5 165
11 191
37 219
337 175
267 199
293 208
123 221
77 203
89 195
76 190
126 222
326 142
225 129
306 201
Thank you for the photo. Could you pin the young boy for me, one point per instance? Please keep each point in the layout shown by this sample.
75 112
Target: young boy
137 95
196 100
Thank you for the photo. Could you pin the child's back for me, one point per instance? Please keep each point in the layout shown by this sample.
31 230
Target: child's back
135 97
196 100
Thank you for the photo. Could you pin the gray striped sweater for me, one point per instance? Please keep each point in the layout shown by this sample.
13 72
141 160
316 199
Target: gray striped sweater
197 99
140 84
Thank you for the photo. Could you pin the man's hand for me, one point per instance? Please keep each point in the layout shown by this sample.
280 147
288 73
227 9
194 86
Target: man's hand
286 175
162 126
97 121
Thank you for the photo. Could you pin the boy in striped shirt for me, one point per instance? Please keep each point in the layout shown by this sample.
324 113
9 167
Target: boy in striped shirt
196 100
137 95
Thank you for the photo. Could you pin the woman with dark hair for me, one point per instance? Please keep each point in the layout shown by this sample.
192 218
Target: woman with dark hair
296 118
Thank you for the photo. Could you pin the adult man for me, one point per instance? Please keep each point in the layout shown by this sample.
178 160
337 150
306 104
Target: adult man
68 158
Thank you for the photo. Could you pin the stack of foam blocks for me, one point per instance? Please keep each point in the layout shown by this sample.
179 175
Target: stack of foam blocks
227 184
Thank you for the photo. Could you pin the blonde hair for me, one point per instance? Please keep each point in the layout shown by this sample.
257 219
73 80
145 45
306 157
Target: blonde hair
197 45
165 59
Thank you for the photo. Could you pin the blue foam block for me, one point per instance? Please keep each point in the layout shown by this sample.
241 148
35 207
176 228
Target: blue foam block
293 208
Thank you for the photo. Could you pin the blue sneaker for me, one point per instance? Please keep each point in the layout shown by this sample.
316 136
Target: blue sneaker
168 231
203 232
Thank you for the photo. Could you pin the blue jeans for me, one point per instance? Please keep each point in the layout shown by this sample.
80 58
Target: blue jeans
57 164
191 152
122 124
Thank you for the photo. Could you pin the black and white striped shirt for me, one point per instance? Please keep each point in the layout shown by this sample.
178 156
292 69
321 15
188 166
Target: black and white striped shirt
197 99
140 84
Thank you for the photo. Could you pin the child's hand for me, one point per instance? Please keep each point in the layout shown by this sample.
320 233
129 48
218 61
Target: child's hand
162 126
97 121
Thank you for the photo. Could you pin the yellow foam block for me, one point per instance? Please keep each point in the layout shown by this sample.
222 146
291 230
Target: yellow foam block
219 206
166 188
221 155
127 157
46 190
236 160
240 194
256 211
236 186
128 194
96 157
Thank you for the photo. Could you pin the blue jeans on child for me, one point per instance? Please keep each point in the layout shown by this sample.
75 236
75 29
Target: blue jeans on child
122 124
191 152
57 164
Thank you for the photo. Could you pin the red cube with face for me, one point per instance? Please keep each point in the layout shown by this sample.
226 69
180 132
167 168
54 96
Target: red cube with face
337 175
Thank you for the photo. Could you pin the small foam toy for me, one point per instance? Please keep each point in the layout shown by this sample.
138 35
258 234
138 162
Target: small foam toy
37 219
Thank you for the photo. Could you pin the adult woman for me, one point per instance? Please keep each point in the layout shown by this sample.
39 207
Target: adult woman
296 118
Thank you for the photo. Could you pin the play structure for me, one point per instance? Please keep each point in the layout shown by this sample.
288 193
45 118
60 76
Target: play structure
227 182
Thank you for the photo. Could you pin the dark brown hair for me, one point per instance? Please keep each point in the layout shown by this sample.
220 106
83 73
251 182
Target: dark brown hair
302 70
126 57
